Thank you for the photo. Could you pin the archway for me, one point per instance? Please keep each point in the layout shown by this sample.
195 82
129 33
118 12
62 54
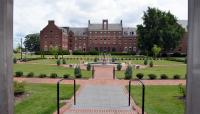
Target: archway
6 48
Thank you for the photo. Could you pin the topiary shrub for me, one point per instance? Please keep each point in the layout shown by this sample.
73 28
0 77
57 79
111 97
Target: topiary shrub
145 62
66 76
128 72
95 59
63 61
177 76
19 74
151 64
119 67
113 59
19 88
88 67
152 76
77 72
42 75
14 60
53 75
58 62
140 75
163 76
31 74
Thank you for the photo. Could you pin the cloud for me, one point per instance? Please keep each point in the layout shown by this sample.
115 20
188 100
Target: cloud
30 16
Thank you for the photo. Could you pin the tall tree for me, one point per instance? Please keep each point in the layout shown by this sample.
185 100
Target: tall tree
32 42
159 28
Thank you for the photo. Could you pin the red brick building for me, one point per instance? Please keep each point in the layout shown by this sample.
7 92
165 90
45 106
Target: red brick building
101 37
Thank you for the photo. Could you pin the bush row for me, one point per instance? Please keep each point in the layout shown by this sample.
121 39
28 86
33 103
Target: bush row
176 59
50 53
153 76
31 74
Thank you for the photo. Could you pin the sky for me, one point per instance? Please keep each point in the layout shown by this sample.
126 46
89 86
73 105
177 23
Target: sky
31 16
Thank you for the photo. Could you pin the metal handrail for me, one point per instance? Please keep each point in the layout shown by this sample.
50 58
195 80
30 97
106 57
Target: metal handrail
143 94
58 93
113 72
93 72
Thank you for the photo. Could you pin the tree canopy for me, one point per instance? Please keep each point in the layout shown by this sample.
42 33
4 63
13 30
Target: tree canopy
159 28
32 42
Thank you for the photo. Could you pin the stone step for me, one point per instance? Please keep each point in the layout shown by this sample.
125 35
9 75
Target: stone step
92 111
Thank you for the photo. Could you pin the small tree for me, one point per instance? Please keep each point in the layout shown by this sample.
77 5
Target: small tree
77 72
128 72
88 66
54 51
156 50
119 67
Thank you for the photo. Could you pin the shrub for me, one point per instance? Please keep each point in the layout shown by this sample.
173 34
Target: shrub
19 88
42 75
58 62
88 66
152 76
119 67
163 76
139 75
145 62
66 76
53 75
14 60
128 72
182 90
176 76
95 59
113 59
64 61
19 74
151 64
31 74
77 72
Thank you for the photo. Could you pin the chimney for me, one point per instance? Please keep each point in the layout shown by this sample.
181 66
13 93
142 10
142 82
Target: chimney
88 22
51 21
121 22
105 24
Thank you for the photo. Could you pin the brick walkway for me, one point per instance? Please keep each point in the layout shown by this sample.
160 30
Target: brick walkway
101 95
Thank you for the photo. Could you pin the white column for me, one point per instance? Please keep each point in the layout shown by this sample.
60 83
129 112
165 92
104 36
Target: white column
193 81
6 49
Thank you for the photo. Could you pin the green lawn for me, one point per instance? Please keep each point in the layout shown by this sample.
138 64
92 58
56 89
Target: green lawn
41 98
158 70
48 69
160 99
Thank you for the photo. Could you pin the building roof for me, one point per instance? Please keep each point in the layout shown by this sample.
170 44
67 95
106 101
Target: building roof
79 31
98 27
184 24
129 31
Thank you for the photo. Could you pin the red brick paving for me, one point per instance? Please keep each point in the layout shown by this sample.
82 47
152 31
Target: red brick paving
99 81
